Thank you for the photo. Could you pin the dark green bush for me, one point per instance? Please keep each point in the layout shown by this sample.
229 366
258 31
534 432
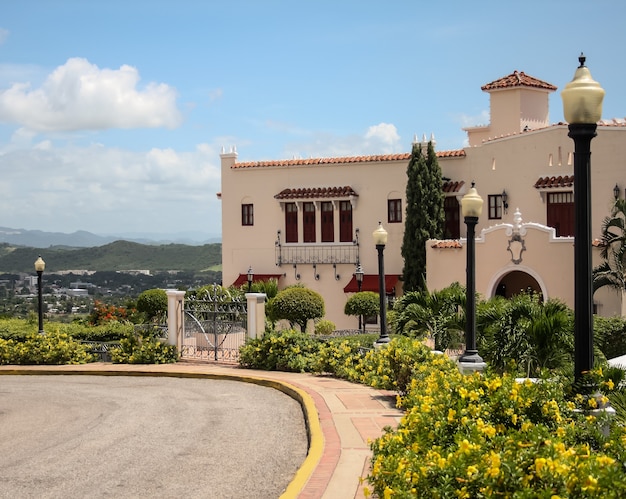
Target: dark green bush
610 335
297 305
153 304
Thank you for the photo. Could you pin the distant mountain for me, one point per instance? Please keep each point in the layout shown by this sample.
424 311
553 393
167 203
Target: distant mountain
84 239
119 255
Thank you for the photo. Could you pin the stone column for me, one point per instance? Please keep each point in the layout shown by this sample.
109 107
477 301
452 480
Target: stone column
256 314
175 317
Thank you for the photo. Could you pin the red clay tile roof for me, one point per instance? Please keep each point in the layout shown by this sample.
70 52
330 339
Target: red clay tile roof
457 153
449 243
518 79
316 192
554 182
453 186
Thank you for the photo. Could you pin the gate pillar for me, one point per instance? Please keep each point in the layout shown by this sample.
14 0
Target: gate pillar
175 317
256 314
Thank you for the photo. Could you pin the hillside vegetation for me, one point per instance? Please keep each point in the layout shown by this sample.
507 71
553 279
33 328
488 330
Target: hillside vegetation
119 255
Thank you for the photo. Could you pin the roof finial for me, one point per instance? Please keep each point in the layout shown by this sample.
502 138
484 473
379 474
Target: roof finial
582 60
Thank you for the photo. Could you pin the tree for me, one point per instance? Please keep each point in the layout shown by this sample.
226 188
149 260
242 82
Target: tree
153 303
364 303
425 215
297 305
611 271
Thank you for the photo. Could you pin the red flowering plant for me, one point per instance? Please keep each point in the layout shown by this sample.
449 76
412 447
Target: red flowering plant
103 314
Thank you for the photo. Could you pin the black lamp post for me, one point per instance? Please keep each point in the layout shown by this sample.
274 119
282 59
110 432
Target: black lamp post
40 265
471 206
582 107
250 278
380 239
359 282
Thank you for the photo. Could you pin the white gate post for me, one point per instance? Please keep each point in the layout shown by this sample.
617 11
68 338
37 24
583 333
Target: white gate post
175 317
256 314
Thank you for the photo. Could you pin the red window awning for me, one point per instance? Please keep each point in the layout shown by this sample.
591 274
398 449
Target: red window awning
243 278
370 283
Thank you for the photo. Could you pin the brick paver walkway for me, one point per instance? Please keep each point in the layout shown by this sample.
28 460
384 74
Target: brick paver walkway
347 416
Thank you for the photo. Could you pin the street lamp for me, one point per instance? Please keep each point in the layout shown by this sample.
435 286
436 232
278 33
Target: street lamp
471 206
250 278
40 265
582 107
380 239
359 282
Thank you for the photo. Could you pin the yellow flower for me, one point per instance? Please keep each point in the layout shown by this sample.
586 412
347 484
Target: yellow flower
605 460
540 464
590 483
471 470
451 414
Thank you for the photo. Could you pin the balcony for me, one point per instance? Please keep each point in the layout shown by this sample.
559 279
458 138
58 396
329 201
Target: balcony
317 253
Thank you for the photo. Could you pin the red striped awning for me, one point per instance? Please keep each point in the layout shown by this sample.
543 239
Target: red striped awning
370 283
243 278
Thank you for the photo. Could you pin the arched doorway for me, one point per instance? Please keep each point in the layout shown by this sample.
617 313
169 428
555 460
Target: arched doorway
516 282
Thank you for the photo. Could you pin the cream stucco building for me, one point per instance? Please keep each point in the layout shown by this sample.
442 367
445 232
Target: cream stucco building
310 221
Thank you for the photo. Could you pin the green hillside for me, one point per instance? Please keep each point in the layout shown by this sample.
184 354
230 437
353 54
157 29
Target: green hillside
119 255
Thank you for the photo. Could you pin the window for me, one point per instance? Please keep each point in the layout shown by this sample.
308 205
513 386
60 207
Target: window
394 211
247 214
495 206
291 223
345 221
328 223
560 212
308 222
452 229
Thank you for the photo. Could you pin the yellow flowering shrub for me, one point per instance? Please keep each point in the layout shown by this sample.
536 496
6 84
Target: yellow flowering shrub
493 436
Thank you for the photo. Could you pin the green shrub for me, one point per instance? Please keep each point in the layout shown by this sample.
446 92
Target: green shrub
343 356
288 350
52 348
153 304
364 303
610 335
324 327
297 305
143 348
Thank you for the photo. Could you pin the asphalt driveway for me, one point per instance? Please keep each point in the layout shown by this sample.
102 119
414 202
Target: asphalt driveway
117 436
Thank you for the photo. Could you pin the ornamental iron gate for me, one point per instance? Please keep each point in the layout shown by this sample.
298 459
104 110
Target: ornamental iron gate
215 328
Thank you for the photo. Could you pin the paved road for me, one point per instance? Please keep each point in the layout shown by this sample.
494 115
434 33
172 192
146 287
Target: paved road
99 436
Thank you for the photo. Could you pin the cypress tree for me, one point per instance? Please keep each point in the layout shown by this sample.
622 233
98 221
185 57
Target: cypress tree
424 214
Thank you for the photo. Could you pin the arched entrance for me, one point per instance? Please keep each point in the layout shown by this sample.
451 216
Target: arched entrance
516 282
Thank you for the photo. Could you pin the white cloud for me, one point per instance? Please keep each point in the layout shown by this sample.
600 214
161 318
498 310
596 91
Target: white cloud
466 120
385 135
79 96
110 190
378 139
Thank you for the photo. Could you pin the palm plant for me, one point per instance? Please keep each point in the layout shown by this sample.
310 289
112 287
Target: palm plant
525 330
611 271
438 315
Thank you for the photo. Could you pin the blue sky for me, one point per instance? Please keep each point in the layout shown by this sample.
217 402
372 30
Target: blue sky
113 113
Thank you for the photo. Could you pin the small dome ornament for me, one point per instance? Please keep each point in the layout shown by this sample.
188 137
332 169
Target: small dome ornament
582 97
